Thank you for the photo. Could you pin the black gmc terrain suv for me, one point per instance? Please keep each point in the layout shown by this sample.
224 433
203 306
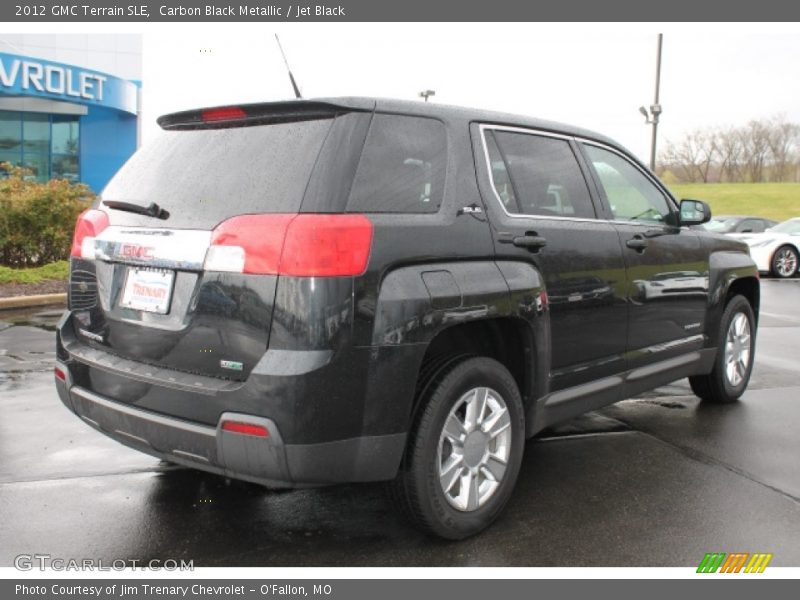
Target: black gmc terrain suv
312 292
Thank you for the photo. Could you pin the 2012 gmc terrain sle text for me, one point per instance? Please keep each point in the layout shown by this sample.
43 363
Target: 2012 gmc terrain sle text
313 292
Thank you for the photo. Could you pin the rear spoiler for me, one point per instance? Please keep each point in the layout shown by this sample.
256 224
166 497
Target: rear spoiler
243 115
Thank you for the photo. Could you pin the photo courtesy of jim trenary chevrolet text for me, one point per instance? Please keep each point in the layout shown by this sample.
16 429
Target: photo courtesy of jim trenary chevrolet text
340 300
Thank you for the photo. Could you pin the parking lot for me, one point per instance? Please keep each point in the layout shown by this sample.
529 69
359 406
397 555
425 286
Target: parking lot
655 481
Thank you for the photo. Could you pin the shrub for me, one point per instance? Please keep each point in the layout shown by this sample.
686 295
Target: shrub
37 219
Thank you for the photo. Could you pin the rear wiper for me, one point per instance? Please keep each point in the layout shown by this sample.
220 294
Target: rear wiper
154 210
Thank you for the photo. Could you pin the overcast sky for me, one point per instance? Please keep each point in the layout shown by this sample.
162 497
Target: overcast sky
592 75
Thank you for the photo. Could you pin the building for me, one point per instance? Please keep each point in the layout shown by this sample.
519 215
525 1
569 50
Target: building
70 104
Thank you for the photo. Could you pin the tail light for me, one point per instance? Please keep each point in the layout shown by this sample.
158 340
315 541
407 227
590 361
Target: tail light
90 223
245 428
225 113
305 245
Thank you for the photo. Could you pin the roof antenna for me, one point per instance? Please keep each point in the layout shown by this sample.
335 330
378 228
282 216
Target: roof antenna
297 93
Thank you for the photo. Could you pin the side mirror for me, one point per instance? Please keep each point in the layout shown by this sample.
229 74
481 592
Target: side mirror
694 212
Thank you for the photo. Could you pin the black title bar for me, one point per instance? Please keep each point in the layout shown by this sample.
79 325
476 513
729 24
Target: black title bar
50 11
731 587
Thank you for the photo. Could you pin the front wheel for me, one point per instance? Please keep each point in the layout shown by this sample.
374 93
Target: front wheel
465 450
735 352
784 262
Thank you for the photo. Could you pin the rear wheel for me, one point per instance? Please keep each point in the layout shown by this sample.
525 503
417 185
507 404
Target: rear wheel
734 361
784 262
464 450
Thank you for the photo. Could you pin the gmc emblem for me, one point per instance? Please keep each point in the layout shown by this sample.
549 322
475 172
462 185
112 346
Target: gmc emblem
136 251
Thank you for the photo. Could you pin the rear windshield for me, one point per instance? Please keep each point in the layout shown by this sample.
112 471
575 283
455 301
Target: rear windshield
205 176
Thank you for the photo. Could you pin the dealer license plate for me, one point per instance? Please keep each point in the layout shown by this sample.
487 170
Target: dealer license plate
148 290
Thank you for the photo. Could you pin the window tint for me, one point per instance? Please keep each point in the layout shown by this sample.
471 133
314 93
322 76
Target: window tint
750 226
720 224
35 133
631 195
64 145
11 135
500 179
402 167
46 144
64 137
537 175
204 176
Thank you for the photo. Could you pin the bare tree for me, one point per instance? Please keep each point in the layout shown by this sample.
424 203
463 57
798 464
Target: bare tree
729 151
762 150
693 156
755 149
782 141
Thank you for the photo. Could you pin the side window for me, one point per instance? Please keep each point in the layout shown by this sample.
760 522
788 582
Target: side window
750 226
631 195
500 178
402 167
537 175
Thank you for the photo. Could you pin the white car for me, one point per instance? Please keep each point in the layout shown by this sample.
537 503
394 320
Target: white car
673 283
776 250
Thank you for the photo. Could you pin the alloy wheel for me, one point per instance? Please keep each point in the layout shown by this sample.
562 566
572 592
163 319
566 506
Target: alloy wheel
785 262
474 449
737 349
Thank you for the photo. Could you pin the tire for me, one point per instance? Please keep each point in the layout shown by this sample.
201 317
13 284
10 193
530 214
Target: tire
469 453
784 262
729 379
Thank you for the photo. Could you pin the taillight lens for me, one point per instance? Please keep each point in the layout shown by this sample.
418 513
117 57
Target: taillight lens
91 223
305 245
245 428
224 113
327 246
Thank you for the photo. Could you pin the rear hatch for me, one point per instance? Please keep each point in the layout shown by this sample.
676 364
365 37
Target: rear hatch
176 265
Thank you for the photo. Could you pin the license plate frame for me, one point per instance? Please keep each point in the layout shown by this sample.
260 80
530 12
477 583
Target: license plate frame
141 290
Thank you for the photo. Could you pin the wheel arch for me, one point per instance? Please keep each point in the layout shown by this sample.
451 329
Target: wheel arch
730 273
437 312
750 288
508 340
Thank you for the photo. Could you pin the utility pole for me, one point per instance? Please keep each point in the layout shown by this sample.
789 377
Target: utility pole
651 117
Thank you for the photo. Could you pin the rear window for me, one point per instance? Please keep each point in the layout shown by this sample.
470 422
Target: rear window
204 176
402 167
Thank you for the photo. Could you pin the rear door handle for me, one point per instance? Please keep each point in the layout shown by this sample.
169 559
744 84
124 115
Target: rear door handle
534 243
637 243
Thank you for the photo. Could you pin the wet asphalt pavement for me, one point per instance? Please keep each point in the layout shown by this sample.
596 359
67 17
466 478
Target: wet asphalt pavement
656 481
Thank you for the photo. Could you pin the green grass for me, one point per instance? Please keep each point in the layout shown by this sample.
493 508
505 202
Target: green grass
778 201
57 270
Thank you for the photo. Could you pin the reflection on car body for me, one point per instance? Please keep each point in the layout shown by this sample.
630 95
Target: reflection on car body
589 290
671 284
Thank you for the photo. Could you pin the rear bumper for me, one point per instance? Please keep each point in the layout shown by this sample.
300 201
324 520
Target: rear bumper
265 460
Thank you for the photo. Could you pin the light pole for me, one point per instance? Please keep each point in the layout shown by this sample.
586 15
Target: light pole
651 118
427 94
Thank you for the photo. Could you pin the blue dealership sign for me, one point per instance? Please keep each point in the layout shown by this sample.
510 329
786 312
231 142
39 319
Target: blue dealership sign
26 76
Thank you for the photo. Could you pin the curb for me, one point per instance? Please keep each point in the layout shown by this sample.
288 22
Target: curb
27 301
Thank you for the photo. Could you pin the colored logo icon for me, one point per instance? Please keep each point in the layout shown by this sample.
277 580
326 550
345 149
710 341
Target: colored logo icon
736 562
